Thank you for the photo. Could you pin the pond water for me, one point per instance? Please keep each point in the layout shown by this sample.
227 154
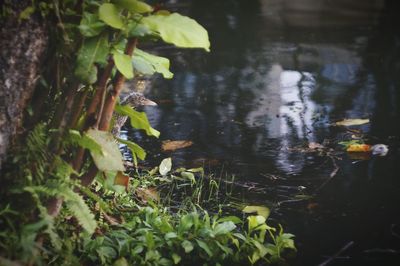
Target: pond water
280 72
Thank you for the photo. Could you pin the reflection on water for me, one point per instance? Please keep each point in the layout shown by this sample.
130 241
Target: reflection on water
280 72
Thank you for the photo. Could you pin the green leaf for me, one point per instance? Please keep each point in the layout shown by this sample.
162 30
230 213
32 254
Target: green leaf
165 166
224 228
136 149
26 13
146 63
124 64
179 30
138 119
257 222
260 210
134 6
93 50
79 208
121 262
234 219
135 29
109 13
111 158
176 258
187 246
90 25
170 235
189 176
84 141
205 247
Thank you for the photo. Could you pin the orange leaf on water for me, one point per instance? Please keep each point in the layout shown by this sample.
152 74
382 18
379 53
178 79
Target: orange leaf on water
359 148
172 145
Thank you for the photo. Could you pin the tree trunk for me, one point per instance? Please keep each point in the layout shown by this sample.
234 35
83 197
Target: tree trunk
23 43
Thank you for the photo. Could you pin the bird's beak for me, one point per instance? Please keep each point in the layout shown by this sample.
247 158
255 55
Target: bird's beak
148 102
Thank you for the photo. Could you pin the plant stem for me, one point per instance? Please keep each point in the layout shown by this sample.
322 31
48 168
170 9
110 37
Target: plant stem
113 95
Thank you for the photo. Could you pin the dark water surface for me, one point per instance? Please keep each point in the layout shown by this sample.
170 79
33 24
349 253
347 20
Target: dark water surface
279 73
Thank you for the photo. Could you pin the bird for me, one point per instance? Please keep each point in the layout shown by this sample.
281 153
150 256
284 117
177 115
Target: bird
133 99
379 150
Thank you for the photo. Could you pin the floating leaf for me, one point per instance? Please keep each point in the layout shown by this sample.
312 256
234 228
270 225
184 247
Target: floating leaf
358 148
110 159
148 64
122 180
109 13
165 166
134 6
123 64
260 210
315 146
179 30
138 119
347 143
172 145
352 122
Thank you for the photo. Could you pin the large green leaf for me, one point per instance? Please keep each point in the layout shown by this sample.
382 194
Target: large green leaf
205 247
138 119
224 228
134 6
137 151
93 50
109 13
148 64
123 64
84 141
179 30
110 159
90 25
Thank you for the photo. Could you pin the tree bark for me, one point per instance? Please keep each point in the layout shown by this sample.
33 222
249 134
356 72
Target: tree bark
23 43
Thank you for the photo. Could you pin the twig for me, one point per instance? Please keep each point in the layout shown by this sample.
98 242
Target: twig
336 255
332 175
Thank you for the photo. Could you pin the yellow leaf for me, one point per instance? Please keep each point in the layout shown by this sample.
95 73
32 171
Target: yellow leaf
352 122
359 148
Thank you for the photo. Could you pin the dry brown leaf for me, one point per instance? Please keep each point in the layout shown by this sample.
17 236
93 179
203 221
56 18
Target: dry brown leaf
315 145
172 145
146 194
122 180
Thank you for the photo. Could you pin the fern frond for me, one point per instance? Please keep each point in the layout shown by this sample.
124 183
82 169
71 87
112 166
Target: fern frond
76 204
